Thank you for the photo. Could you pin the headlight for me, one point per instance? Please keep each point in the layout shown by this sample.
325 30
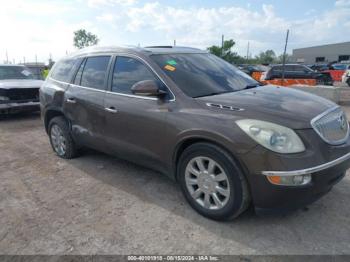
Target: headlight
277 138
4 98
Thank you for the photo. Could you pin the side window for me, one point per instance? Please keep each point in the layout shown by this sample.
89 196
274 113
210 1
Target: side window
300 70
276 72
77 78
95 71
63 70
128 71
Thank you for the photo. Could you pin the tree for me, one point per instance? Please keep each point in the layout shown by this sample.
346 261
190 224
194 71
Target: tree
226 53
280 58
83 38
266 57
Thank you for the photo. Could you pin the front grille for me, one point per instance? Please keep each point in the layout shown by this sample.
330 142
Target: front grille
332 126
22 95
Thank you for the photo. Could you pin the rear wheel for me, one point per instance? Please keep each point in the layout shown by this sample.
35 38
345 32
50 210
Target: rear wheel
61 139
324 80
348 82
212 182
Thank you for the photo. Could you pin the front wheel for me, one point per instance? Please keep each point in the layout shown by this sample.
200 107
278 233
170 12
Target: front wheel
212 182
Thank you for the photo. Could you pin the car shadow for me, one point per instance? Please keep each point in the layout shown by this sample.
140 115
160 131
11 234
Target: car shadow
19 116
297 232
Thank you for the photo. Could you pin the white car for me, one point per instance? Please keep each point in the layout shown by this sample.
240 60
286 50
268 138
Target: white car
346 77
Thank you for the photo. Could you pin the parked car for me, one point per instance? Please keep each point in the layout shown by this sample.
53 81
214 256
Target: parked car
198 119
296 71
346 77
250 69
19 91
319 67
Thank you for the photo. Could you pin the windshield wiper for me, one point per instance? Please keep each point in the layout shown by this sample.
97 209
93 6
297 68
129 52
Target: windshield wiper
252 86
213 94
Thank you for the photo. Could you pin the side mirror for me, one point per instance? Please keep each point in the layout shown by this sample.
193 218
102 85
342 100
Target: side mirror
147 88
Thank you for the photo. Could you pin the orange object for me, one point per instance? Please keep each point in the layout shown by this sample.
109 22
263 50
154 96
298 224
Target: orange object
336 74
257 75
289 82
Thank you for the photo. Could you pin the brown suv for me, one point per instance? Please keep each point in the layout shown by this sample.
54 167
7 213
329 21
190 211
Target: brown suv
228 141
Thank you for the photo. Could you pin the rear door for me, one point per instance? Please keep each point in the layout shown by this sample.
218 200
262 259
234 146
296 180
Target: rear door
134 124
84 101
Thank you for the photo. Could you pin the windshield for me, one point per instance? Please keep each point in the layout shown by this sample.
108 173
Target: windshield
15 72
203 74
339 66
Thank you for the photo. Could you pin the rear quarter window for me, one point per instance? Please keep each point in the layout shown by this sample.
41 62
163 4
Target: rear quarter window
63 70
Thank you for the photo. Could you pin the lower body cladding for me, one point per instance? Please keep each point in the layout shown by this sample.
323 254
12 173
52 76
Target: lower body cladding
294 189
15 107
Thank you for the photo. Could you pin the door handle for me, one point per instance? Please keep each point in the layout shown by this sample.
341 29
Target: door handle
71 100
111 110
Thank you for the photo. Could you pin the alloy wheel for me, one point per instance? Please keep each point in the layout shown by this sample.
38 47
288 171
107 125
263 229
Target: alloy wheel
58 140
207 183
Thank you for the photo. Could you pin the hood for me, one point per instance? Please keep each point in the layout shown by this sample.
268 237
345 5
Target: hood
20 83
281 105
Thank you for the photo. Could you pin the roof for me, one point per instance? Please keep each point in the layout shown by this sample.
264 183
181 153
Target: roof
323 46
133 49
289 64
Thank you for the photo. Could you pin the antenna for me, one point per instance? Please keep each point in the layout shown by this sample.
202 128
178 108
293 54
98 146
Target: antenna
248 52
222 45
284 58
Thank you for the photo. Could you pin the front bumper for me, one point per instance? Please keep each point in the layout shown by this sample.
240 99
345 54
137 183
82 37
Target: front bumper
269 196
326 163
13 107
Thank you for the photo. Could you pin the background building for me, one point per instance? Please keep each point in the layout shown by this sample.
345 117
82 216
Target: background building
323 53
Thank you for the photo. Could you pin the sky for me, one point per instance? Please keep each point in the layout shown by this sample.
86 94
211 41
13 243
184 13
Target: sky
32 29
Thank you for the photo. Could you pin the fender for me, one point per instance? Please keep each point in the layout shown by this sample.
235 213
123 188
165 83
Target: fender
189 137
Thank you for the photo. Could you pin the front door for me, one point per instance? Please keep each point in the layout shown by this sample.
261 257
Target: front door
134 124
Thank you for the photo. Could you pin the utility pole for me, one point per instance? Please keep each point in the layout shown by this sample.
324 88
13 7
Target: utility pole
248 52
36 59
284 57
24 59
222 45
174 42
7 57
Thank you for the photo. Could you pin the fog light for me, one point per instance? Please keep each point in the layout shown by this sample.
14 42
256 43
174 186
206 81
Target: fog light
290 180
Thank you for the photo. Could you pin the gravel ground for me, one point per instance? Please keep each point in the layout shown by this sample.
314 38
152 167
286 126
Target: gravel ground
97 204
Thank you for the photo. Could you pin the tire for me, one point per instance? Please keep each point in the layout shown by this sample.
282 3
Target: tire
237 197
325 80
348 82
321 81
60 124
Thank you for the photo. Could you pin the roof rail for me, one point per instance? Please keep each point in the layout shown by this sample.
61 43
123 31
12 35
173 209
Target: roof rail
159 46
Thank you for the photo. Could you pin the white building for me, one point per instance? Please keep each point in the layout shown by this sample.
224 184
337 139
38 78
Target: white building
323 53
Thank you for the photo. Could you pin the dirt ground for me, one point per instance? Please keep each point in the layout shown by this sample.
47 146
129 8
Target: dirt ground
97 204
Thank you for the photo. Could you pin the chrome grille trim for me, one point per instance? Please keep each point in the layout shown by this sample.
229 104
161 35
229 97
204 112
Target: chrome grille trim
321 128
309 170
